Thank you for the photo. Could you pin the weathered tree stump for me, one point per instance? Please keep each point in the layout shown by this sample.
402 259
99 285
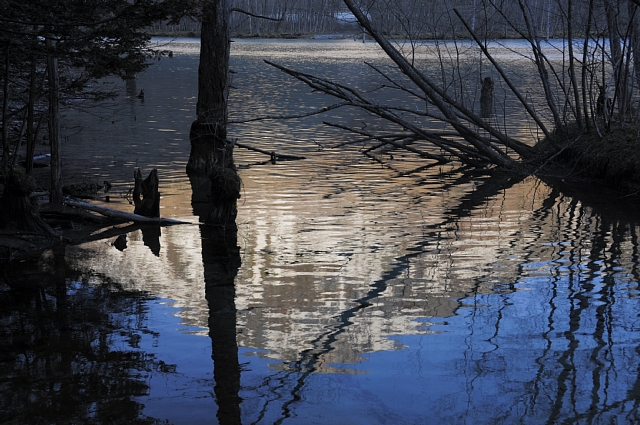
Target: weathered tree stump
16 211
146 197
486 98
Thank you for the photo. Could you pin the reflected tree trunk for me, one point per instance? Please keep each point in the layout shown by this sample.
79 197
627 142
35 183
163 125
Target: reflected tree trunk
221 260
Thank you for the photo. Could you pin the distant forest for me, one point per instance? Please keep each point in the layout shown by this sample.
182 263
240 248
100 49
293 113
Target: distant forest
420 19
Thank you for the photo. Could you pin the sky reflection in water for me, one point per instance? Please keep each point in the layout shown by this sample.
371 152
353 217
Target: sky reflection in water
366 294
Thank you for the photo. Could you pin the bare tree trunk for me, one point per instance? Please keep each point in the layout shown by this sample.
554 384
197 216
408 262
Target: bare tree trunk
54 123
612 10
540 63
30 118
211 152
437 96
585 53
635 39
5 112
146 197
572 66
209 131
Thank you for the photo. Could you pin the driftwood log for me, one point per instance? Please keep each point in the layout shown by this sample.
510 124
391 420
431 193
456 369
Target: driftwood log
121 215
146 197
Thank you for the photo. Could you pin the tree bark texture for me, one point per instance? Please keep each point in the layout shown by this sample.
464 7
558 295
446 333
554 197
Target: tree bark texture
211 152
486 97
30 117
5 107
215 47
209 131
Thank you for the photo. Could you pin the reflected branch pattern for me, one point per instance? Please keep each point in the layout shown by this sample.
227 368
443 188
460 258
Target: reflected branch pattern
70 350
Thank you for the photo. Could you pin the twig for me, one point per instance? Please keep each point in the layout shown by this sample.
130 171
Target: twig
291 117
274 156
244 12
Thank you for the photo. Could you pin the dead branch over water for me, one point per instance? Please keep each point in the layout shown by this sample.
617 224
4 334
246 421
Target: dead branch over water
566 88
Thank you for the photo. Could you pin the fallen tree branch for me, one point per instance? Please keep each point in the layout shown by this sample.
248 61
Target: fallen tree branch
49 210
476 150
274 156
291 117
121 215
512 87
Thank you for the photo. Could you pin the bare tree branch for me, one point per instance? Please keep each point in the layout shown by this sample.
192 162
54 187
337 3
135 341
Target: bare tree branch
290 117
244 12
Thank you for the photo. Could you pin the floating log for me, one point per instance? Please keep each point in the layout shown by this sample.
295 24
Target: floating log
121 215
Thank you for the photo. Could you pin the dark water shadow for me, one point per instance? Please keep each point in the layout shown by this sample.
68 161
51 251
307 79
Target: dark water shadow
221 261
58 359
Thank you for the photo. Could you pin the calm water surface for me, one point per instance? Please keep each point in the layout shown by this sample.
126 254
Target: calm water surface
359 293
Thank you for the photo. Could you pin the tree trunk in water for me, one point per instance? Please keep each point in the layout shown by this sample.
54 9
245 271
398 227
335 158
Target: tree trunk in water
54 123
16 210
148 204
211 152
213 87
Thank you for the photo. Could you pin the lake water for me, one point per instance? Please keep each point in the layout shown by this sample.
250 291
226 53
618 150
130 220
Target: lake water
359 293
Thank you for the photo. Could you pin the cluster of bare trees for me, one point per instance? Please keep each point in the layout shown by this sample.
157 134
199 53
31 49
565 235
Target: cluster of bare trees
425 18
586 83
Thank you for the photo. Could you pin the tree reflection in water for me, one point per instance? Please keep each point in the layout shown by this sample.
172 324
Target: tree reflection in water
551 338
559 343
589 315
69 350
221 261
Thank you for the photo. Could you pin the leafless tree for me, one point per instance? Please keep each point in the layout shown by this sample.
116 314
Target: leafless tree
599 54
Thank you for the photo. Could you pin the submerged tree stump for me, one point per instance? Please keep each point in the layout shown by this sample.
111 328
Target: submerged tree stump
211 164
486 98
16 210
146 197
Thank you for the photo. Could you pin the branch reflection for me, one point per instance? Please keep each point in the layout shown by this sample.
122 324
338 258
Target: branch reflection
69 351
